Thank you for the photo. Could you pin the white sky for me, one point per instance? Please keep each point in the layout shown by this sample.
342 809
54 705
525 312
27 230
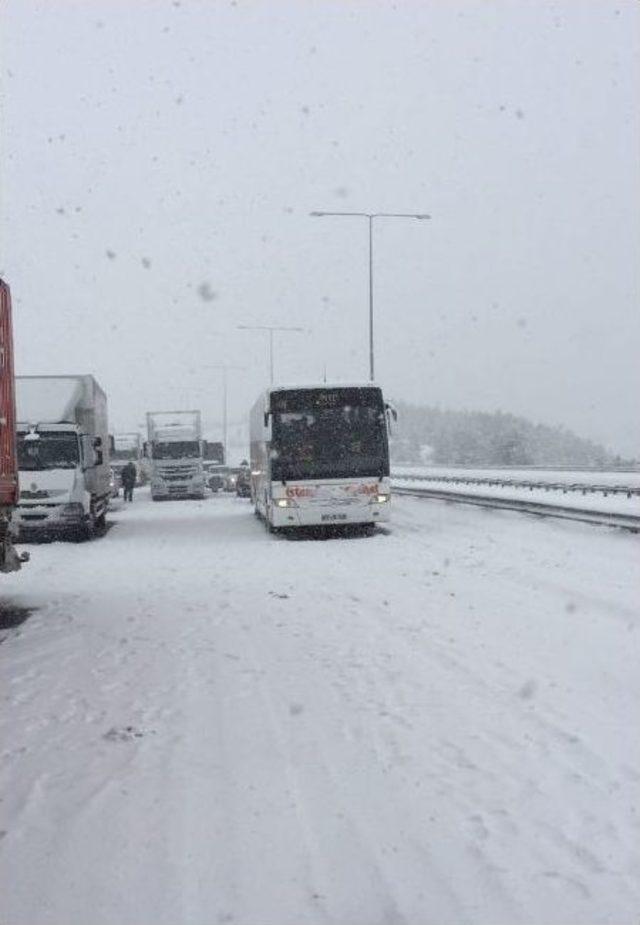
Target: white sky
197 136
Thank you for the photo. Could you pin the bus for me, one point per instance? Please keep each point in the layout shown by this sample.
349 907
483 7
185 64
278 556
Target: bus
320 456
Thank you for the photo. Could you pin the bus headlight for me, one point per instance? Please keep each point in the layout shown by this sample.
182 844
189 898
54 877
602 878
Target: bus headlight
383 499
284 502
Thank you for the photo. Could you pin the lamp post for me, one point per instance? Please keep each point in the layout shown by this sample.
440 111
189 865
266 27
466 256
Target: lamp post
224 369
270 328
370 216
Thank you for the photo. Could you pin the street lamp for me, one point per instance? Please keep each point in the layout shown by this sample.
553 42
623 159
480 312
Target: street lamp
225 369
270 328
370 217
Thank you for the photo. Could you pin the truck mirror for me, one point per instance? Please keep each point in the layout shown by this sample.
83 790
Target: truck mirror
97 443
267 415
99 457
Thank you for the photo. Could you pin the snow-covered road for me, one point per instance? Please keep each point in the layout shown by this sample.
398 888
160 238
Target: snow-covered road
438 724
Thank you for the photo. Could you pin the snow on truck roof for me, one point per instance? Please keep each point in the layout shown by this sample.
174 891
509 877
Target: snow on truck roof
50 399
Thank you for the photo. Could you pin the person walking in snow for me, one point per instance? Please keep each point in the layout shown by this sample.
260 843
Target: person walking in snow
128 479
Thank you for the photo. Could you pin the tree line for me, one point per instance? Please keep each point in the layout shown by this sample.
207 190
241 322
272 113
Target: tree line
478 438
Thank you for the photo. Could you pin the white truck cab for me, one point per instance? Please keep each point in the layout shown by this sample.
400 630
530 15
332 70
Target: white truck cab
62 455
175 449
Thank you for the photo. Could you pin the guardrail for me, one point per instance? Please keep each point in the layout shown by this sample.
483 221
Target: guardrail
530 484
519 467
525 505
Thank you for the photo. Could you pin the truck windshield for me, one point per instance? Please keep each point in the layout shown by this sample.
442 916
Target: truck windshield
214 452
130 454
183 449
50 451
341 441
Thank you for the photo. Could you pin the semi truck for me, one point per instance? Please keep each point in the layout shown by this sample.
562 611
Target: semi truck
10 560
213 452
63 456
214 467
174 447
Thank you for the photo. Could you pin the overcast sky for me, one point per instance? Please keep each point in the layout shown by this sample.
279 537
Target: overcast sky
161 157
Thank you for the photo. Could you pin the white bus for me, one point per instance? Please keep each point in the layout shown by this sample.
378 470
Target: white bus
320 455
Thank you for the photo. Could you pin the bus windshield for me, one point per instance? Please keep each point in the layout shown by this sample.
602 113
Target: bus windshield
50 450
335 436
182 449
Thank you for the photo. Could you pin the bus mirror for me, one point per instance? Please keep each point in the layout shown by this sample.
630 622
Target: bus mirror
392 411
267 415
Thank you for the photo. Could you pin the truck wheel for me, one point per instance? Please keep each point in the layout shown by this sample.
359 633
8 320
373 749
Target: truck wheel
87 531
100 525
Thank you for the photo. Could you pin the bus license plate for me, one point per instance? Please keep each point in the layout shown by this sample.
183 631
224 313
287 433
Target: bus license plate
334 517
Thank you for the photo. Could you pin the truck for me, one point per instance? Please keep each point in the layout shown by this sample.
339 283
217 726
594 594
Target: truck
214 467
63 456
320 456
10 560
125 448
213 453
175 451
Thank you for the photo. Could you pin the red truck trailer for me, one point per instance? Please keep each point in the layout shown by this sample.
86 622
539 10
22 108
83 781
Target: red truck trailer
10 561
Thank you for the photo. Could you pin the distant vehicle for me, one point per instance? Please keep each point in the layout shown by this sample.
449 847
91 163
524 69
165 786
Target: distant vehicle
114 483
175 451
63 455
320 456
243 484
10 560
231 479
213 463
216 477
125 448
213 453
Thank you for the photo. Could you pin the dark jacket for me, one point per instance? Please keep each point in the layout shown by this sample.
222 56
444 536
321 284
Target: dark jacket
128 475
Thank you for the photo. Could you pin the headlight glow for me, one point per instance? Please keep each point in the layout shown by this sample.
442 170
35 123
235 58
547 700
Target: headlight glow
73 509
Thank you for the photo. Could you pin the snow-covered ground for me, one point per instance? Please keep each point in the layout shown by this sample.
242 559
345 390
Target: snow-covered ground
438 724
600 503
552 476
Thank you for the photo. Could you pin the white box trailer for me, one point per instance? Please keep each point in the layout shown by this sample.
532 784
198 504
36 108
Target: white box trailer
63 455
175 452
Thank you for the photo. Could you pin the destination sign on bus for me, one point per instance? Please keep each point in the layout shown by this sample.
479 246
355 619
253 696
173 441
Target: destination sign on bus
318 399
